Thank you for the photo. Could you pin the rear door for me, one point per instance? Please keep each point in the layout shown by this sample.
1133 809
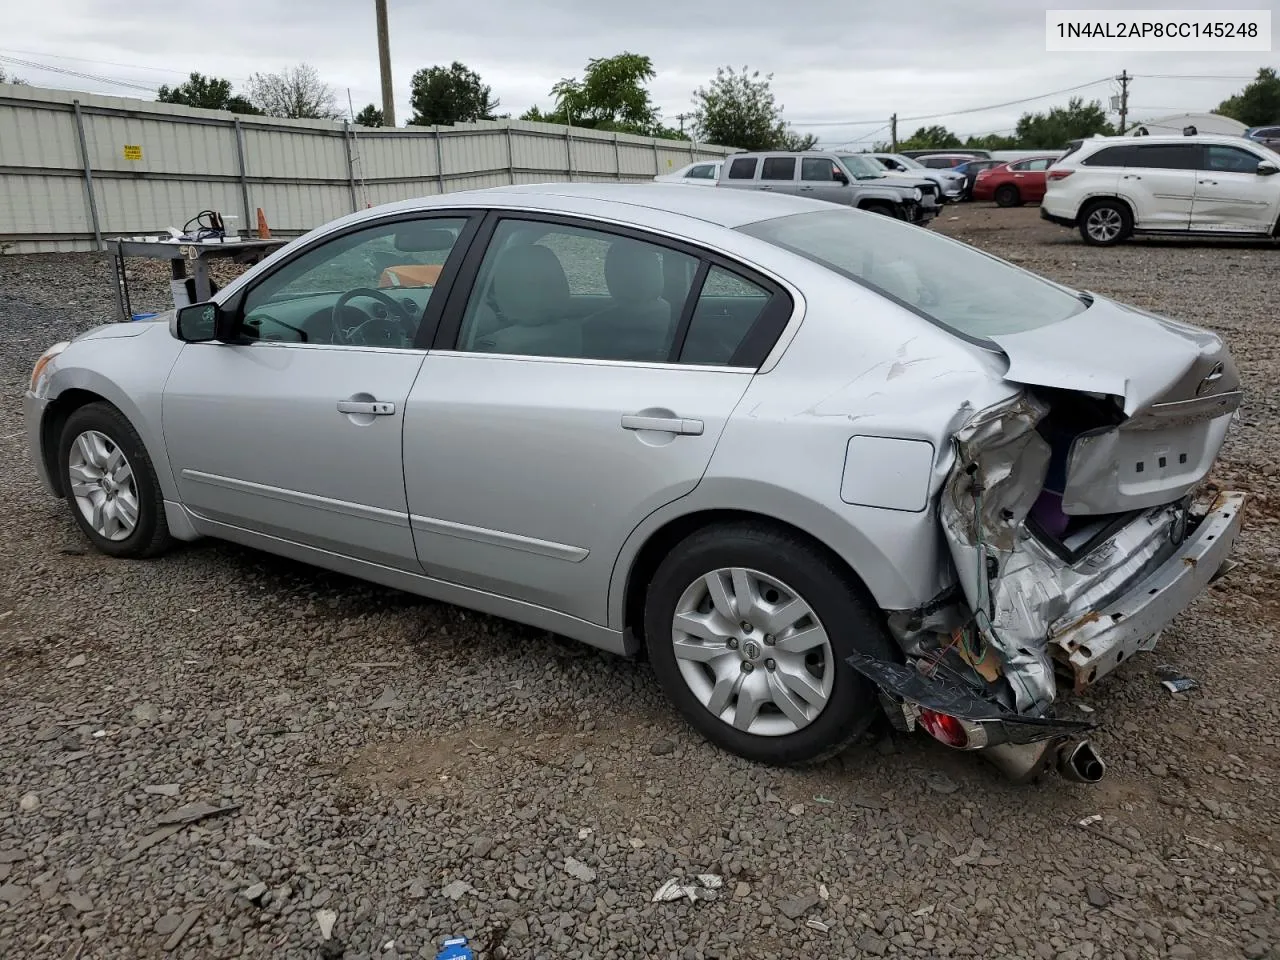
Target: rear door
1230 195
534 450
1029 175
778 174
1160 181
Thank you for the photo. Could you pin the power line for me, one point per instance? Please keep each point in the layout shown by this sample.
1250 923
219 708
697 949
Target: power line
32 65
1198 76
953 113
109 63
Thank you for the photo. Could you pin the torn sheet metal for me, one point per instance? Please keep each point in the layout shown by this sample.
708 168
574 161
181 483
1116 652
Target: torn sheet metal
1000 471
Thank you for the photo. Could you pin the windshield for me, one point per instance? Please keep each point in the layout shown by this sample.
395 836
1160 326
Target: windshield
863 168
907 162
947 282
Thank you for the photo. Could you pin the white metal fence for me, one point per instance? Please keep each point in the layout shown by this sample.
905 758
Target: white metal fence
75 168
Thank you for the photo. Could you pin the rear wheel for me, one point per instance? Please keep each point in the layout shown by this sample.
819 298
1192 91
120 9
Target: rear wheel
1105 223
1007 196
110 484
748 627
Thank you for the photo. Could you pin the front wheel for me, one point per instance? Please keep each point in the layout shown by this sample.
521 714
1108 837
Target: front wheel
748 628
110 484
883 209
1105 223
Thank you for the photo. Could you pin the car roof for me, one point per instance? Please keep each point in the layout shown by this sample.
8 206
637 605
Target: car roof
1163 139
726 208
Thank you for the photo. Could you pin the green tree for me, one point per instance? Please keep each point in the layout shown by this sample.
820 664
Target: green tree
738 110
295 92
452 94
992 141
1052 130
790 140
370 116
1256 104
610 96
930 138
209 93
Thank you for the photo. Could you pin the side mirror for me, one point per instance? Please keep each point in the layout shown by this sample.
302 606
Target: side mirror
201 323
840 178
1266 168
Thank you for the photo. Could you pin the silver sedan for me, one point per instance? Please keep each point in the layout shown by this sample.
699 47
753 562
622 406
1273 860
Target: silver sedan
816 463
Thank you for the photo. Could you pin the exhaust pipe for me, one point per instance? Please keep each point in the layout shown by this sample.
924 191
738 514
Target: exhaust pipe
1076 760
1080 763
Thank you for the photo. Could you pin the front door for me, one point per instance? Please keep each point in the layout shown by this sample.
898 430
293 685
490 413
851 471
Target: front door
818 179
1230 195
296 431
584 389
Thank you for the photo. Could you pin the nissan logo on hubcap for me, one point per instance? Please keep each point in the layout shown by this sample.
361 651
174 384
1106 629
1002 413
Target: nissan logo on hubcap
751 649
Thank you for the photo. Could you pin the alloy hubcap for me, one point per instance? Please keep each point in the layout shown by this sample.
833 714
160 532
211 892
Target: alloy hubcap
1104 224
103 485
753 652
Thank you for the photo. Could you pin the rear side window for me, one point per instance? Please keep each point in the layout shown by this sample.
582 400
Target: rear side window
1160 156
703 171
1108 157
778 168
727 308
744 168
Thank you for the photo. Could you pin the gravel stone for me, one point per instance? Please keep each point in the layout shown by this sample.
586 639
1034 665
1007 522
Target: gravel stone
262 674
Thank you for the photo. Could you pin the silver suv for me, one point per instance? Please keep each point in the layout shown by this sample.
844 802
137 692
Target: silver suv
847 179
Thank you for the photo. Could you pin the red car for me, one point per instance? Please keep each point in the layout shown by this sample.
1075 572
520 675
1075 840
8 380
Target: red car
1015 183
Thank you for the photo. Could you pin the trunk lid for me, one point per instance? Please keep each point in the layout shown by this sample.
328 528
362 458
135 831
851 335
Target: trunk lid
1170 390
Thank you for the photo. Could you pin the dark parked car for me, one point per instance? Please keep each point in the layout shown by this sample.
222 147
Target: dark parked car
971 169
1268 136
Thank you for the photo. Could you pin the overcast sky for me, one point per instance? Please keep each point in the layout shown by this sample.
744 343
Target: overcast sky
832 62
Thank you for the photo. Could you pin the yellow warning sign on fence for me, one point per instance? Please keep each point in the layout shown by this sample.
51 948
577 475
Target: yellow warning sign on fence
132 151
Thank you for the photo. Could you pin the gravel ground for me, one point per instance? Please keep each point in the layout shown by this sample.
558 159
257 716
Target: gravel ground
422 771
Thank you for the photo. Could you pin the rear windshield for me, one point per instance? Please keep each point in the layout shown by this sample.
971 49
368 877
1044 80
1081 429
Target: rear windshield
947 282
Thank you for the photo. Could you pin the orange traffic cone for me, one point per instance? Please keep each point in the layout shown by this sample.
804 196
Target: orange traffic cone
264 232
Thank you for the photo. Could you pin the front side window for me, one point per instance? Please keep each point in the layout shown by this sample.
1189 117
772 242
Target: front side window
818 169
744 168
1230 159
552 290
369 287
1020 165
1040 163
949 283
778 168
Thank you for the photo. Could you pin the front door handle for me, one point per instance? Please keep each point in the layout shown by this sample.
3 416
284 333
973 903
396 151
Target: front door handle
680 425
1212 183
376 408
1131 176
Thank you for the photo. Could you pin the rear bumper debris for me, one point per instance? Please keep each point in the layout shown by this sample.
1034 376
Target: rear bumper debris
1093 645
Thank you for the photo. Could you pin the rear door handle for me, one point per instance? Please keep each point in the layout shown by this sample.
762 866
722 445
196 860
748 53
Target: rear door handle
680 425
1212 183
1131 176
377 408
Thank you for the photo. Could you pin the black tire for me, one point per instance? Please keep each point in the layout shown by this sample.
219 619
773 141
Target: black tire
150 535
883 209
1107 210
1007 195
849 617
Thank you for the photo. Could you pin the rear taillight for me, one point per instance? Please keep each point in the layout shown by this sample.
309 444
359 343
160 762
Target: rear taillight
943 728
1059 174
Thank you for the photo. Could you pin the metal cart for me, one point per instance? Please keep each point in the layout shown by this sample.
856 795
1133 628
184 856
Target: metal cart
195 289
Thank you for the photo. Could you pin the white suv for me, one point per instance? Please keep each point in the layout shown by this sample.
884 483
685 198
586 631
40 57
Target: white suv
1114 187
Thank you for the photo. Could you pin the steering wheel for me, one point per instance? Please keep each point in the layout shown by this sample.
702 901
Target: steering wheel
398 323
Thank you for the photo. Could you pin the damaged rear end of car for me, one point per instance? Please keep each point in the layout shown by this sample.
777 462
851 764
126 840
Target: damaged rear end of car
1080 520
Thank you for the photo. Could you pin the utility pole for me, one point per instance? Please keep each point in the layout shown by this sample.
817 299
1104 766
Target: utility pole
682 117
384 63
893 133
1124 79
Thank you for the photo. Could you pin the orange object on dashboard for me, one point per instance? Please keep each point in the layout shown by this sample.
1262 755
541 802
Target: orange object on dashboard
411 275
